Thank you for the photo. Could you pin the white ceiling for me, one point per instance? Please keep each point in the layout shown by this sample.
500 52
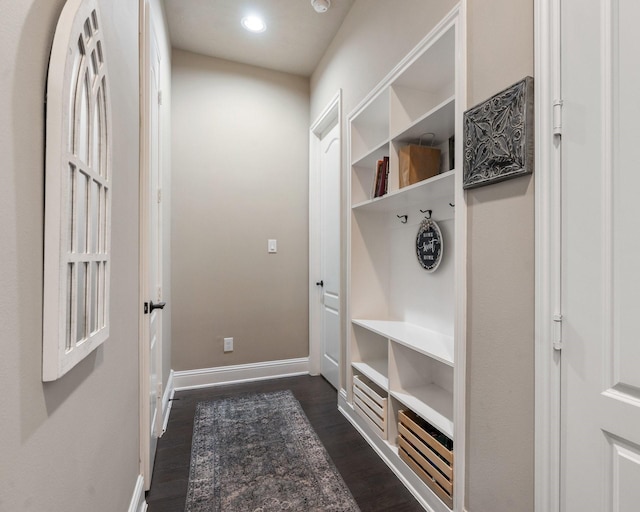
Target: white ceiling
295 39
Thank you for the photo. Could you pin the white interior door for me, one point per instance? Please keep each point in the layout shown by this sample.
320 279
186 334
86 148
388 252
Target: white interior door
330 255
600 440
151 254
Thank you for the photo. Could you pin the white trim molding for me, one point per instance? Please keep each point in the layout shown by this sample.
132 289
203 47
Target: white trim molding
547 257
460 346
221 375
138 503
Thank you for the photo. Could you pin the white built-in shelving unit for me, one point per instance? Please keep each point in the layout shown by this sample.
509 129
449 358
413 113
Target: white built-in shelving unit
406 325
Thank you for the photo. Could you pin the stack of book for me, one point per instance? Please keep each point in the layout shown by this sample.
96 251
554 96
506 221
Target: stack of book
381 181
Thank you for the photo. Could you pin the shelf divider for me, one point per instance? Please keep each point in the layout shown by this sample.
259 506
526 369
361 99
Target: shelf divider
374 370
432 403
439 120
439 188
436 345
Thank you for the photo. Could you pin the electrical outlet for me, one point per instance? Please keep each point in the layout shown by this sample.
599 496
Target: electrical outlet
228 344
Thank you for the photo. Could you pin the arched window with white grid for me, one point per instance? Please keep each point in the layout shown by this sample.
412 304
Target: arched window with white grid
77 192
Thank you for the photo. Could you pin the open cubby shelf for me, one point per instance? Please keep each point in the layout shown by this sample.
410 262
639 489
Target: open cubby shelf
433 344
374 370
437 190
401 332
431 403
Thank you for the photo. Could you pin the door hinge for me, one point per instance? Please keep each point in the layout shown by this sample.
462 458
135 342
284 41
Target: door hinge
159 195
159 97
557 118
557 334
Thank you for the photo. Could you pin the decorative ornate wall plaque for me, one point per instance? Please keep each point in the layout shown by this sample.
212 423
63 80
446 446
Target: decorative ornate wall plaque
499 136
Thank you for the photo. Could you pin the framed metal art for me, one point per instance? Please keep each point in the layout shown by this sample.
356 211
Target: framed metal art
499 136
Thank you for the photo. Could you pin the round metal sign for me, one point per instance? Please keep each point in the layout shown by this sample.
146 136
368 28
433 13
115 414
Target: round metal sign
429 246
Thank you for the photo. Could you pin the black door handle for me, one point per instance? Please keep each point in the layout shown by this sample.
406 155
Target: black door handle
150 306
159 305
320 283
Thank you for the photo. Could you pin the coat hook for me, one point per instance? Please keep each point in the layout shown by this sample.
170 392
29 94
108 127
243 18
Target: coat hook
452 205
428 212
403 218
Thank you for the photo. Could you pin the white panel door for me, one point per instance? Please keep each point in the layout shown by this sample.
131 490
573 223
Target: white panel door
154 291
330 254
151 253
600 445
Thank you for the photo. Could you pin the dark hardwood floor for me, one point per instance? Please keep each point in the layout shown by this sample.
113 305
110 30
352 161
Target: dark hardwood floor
373 485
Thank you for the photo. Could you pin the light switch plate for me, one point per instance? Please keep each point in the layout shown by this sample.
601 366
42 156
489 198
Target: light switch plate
272 246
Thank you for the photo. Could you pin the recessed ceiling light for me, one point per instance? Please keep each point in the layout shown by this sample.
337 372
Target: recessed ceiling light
253 24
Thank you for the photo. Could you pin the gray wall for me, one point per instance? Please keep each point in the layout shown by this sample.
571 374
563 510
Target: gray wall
500 386
240 177
500 322
71 444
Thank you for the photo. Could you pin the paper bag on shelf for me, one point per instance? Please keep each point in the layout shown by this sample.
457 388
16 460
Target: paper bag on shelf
418 163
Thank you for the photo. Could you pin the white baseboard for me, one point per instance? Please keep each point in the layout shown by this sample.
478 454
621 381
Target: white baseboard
207 377
167 398
138 504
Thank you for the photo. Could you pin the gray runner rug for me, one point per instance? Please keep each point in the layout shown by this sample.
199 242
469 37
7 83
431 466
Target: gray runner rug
258 453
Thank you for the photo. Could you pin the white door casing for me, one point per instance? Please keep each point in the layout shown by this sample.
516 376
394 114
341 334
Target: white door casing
324 262
151 253
548 254
600 442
